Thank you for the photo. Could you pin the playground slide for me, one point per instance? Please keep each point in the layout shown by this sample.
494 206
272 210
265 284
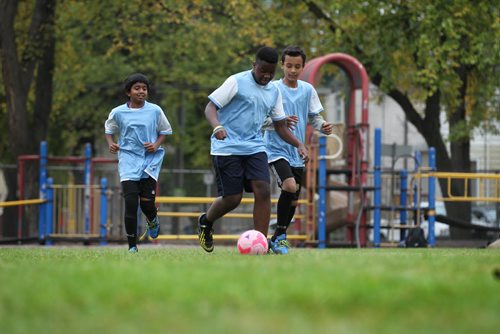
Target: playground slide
337 210
463 224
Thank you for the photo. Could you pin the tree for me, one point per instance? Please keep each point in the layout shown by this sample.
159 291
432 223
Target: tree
443 55
187 50
27 62
34 68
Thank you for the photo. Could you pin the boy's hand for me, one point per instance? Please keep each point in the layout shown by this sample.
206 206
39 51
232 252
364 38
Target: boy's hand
114 147
291 121
219 132
303 152
327 128
150 147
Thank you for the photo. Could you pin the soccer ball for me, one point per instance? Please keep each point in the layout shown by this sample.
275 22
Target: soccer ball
252 242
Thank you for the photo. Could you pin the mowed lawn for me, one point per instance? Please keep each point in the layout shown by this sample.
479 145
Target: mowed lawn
175 289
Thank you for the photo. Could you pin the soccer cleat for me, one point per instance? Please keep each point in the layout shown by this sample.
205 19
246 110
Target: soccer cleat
153 228
133 250
269 249
280 245
205 236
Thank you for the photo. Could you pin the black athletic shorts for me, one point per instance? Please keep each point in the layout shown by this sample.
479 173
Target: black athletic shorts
282 170
145 188
233 173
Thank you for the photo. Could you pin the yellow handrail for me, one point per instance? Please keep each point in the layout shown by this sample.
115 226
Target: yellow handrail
465 178
23 202
207 200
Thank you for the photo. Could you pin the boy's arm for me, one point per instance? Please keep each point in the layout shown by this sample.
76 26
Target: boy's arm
211 116
291 122
110 127
281 128
152 147
113 147
268 124
164 129
315 119
318 123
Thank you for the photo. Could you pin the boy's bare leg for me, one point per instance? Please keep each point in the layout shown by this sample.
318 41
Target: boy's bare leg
223 205
262 207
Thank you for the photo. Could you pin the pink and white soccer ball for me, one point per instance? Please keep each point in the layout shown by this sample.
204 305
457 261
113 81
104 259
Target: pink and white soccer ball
252 242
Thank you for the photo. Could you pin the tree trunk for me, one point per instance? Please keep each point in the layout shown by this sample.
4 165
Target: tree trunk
429 127
460 162
25 134
45 74
16 90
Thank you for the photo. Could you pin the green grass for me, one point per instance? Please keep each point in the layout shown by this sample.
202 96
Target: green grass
185 290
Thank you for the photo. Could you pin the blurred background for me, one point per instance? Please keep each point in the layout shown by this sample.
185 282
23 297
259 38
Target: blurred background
433 67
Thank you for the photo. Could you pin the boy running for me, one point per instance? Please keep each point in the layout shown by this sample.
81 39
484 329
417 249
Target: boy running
301 104
236 111
142 127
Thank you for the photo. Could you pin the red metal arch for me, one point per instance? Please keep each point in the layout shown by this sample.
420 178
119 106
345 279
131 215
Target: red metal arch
354 70
357 135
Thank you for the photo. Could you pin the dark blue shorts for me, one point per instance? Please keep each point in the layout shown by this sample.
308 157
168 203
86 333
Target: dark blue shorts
233 173
282 170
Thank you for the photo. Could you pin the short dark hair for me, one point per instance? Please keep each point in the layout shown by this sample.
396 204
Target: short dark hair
293 51
134 78
267 54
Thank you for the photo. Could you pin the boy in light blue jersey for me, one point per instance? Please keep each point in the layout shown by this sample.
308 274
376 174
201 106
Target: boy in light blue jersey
236 112
302 105
142 127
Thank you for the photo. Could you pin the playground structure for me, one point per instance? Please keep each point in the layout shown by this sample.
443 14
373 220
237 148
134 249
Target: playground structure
356 167
84 212
357 174
91 209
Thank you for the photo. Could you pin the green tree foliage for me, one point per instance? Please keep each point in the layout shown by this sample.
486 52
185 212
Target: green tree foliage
186 48
419 49
430 56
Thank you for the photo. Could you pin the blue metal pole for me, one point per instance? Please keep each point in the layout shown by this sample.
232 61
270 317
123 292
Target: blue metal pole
322 193
377 180
104 211
403 199
432 197
43 184
87 181
416 186
49 211
418 160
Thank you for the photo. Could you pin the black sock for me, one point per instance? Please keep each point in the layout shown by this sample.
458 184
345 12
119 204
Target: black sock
291 213
131 207
279 231
204 221
284 204
132 240
131 229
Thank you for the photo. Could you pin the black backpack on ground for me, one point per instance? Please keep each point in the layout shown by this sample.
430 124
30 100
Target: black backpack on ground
415 238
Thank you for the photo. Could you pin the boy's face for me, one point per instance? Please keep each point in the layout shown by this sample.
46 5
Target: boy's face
292 68
263 72
138 93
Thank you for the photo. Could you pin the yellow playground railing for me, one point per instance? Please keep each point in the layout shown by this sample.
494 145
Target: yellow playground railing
209 200
477 187
22 202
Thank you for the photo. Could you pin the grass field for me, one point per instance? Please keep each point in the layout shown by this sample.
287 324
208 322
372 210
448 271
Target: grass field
167 289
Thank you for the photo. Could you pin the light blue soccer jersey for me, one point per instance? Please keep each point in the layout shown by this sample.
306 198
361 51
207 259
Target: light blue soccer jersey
302 101
136 127
243 105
